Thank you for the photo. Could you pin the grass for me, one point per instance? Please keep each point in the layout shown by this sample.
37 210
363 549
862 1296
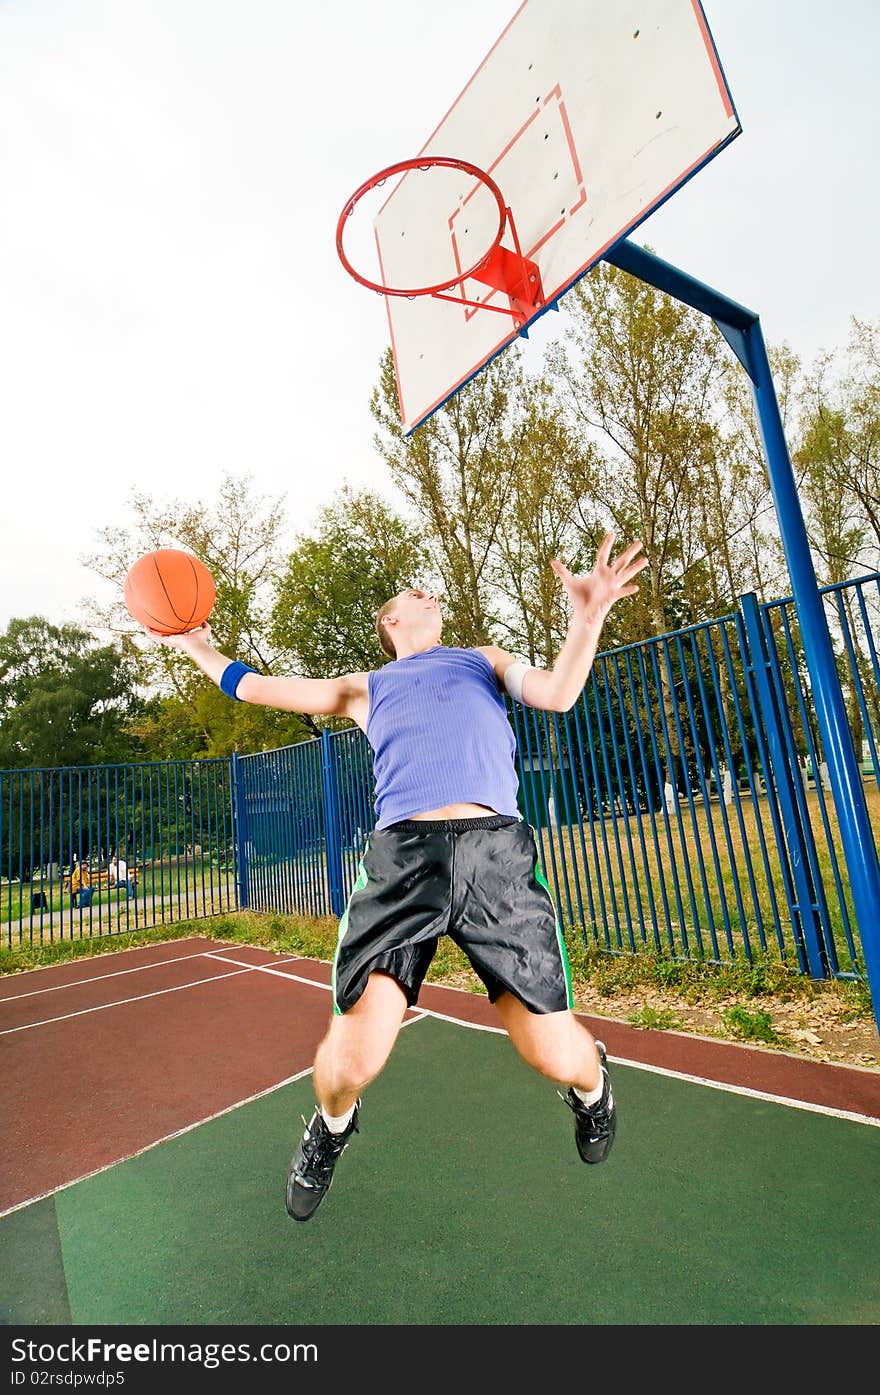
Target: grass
42 956
655 1019
159 901
751 1026
631 871
157 881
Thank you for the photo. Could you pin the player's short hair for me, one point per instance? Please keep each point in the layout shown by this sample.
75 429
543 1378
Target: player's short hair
386 643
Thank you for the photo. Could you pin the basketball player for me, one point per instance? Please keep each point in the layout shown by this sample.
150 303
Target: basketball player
449 854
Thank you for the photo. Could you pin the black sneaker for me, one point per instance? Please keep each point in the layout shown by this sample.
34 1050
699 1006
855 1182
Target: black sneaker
594 1124
311 1170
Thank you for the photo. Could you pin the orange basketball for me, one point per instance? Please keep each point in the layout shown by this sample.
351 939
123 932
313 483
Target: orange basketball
169 591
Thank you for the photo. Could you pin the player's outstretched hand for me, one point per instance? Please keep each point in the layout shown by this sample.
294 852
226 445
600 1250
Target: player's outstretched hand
192 639
593 593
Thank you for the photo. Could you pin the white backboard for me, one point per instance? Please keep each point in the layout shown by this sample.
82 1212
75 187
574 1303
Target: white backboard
588 114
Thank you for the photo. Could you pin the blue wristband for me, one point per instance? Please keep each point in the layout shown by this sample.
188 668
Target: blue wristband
232 676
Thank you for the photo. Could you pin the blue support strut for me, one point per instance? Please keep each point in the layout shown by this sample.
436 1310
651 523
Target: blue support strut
242 835
332 824
742 330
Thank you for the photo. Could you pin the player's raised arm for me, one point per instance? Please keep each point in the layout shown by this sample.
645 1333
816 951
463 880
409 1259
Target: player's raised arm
326 697
592 595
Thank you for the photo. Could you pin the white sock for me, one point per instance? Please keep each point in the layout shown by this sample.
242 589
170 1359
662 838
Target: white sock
590 1097
337 1125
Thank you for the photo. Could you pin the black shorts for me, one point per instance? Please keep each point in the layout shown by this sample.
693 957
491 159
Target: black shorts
475 880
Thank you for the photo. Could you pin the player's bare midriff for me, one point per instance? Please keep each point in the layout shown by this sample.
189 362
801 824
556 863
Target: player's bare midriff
457 811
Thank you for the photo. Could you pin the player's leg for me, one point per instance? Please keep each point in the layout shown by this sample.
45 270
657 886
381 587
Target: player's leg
387 937
358 1043
562 1049
354 1050
506 923
553 1043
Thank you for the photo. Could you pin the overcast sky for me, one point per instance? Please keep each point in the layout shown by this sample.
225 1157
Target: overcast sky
171 173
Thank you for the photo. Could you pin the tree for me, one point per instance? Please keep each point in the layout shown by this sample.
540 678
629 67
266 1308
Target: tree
863 395
836 492
64 700
238 537
640 375
334 583
550 489
835 519
757 560
456 471
206 723
646 381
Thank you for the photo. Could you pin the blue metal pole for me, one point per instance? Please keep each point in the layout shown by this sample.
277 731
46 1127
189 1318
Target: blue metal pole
775 719
241 832
742 330
843 769
332 826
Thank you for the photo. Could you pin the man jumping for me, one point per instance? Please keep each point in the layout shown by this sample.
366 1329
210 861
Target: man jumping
449 854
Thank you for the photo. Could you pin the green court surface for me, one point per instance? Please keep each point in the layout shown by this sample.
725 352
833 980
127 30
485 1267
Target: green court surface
463 1201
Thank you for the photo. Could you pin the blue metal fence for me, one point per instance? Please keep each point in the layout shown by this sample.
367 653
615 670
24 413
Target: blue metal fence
97 850
283 847
681 806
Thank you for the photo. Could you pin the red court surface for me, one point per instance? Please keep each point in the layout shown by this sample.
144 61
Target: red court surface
106 1057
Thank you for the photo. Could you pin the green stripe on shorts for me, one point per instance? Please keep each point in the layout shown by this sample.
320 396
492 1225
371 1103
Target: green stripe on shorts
359 885
542 881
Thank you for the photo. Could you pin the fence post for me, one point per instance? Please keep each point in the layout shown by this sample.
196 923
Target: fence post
241 833
783 765
3 862
332 830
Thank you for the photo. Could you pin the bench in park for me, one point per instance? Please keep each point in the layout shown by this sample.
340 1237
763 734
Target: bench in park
100 879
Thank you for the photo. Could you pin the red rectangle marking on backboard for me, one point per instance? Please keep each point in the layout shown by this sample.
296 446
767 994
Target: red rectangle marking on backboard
555 93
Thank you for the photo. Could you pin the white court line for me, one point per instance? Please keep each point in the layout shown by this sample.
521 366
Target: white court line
178 1133
122 950
459 1022
291 978
692 1079
115 973
475 1026
752 1094
640 1065
141 997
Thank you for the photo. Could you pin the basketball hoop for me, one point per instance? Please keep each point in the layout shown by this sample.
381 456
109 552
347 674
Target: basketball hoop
499 267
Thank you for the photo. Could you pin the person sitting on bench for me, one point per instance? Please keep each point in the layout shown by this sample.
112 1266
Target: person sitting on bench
119 875
81 885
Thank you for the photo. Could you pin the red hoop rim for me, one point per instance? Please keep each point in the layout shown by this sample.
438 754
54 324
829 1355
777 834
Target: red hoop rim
421 162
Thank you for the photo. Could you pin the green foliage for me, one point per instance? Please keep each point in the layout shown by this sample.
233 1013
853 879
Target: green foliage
63 699
644 374
554 475
655 1019
670 972
750 1026
310 939
456 472
838 456
701 981
334 583
237 535
837 525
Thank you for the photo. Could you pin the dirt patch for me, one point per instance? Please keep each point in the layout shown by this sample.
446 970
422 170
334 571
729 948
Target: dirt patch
817 1029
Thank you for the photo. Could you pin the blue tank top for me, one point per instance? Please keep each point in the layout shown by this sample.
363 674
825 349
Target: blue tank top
440 735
